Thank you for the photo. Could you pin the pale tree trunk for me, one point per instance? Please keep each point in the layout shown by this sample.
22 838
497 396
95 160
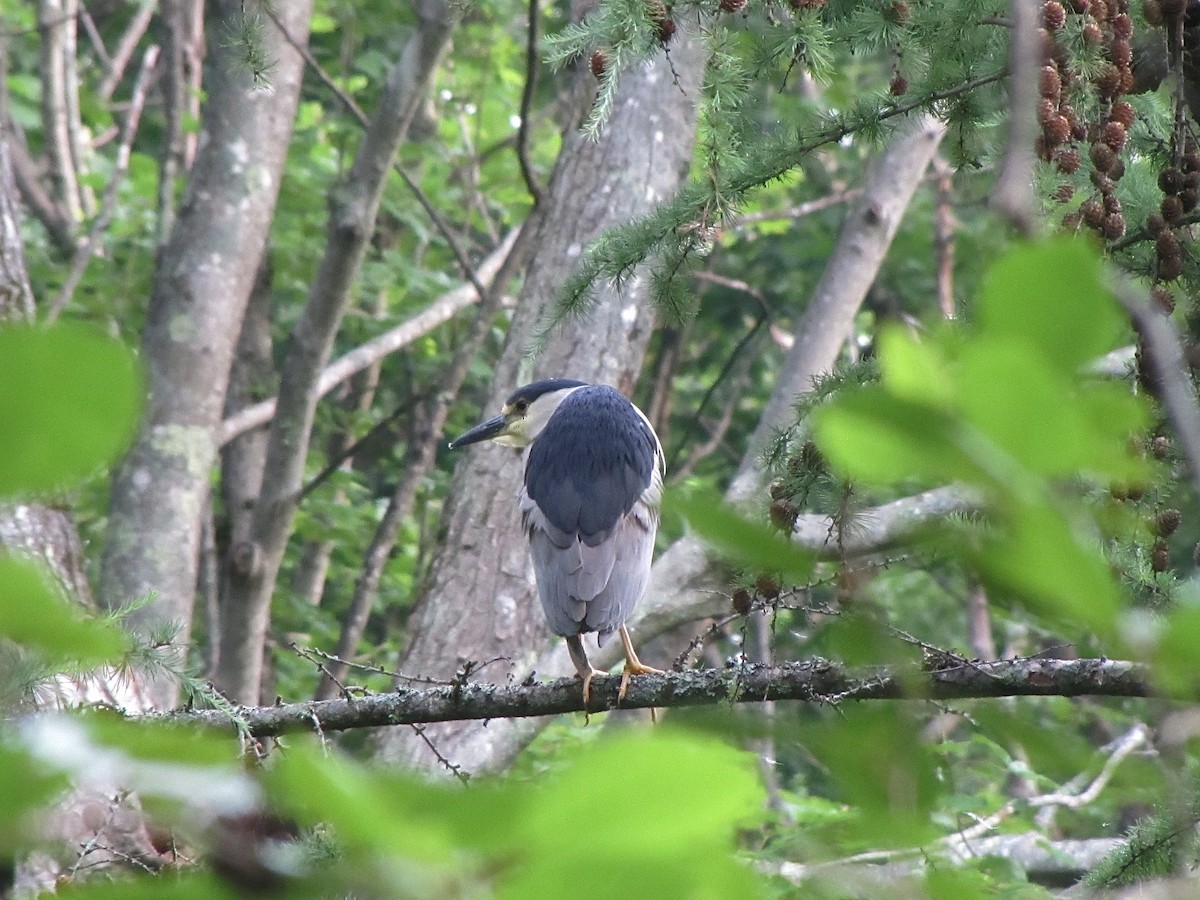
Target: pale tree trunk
480 604
201 287
682 580
353 210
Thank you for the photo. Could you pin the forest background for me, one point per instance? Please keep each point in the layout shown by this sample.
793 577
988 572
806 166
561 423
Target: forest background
909 284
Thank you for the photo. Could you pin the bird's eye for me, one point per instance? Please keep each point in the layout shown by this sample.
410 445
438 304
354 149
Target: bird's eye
520 407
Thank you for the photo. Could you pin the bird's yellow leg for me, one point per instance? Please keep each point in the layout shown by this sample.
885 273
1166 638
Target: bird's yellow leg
633 665
583 666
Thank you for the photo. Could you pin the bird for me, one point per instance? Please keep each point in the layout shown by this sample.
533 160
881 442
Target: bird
589 504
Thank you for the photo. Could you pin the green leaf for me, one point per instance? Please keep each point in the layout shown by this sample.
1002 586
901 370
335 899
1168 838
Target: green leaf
915 369
1052 295
367 811
872 436
34 614
880 764
172 885
750 544
69 401
1043 558
657 812
24 786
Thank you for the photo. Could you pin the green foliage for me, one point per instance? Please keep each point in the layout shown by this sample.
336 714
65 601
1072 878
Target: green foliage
748 543
35 615
985 408
662 807
77 397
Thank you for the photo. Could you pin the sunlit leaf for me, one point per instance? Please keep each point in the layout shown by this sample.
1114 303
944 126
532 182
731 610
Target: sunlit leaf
69 401
1042 558
649 815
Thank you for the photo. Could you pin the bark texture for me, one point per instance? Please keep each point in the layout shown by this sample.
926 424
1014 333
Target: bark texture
481 604
353 210
201 287
812 681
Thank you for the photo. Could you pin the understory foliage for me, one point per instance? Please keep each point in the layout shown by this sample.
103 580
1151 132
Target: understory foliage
1076 532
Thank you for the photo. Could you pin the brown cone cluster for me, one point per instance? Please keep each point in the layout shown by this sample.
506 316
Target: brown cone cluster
1066 138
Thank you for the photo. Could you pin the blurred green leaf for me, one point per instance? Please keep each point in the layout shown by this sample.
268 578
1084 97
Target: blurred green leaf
408 817
646 814
876 756
751 544
171 885
35 615
881 439
1038 554
69 399
1051 295
24 786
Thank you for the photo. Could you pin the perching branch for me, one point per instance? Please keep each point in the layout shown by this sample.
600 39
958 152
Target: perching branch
814 681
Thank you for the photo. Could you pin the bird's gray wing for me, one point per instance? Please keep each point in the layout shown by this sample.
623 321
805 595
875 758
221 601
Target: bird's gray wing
632 541
583 588
570 574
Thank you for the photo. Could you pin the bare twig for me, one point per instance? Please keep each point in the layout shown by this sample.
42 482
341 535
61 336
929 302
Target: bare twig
959 845
125 48
430 210
1013 194
1177 393
531 76
439 311
87 247
54 20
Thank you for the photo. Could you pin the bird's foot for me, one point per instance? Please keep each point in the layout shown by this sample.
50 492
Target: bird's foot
634 667
587 686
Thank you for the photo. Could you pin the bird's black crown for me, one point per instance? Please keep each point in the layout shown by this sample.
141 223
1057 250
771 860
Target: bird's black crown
535 389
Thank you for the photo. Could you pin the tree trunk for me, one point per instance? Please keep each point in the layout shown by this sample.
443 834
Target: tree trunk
481 604
201 286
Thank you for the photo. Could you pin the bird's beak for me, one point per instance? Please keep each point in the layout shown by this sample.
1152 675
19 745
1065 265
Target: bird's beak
482 432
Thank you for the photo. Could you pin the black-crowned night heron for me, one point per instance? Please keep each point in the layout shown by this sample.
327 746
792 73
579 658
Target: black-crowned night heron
593 482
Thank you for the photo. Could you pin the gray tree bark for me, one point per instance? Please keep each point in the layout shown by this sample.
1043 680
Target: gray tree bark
201 287
352 216
480 603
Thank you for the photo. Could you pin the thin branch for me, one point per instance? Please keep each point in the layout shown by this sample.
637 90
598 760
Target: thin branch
800 210
125 49
1177 393
816 681
87 247
356 111
531 77
1013 194
45 208
439 311
53 23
